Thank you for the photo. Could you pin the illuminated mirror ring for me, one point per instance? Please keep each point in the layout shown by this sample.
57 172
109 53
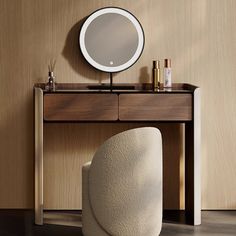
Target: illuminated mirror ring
111 39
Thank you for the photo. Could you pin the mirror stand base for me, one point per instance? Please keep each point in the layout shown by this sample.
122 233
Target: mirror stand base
111 86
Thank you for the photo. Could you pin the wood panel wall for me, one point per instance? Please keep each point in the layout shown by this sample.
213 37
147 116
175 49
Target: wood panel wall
199 37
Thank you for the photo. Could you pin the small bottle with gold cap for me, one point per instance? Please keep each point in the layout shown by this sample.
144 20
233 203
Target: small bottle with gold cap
167 73
156 75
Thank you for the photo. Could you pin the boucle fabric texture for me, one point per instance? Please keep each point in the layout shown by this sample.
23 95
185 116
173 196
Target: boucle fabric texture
125 184
90 225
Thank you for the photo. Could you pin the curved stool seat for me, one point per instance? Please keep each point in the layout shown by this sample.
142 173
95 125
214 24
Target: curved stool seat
122 186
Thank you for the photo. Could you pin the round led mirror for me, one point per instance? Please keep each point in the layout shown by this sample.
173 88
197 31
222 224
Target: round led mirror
111 39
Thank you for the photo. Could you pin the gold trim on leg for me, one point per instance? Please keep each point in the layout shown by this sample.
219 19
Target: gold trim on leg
197 156
38 156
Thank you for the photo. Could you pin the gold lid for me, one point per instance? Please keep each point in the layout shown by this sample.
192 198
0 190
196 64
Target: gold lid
167 63
156 64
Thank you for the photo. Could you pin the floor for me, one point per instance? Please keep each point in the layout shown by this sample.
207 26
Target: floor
218 223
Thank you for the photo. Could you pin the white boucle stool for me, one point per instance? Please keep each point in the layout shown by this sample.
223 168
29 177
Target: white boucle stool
122 186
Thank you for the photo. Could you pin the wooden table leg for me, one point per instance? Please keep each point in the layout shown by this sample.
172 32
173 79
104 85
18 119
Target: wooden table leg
193 164
38 156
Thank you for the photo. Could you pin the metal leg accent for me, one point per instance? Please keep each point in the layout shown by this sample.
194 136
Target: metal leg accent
38 156
193 164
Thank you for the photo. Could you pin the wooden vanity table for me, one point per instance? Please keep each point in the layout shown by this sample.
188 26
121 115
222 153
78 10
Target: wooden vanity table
77 103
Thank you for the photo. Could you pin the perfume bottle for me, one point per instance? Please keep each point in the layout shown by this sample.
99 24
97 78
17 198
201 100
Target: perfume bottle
167 73
156 75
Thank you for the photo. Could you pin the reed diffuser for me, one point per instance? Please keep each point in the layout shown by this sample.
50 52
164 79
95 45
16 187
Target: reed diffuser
51 85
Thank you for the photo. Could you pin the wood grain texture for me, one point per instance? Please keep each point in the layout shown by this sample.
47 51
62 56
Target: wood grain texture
80 107
199 36
170 107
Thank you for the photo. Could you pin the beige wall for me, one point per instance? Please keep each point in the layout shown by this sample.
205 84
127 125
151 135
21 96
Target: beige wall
199 36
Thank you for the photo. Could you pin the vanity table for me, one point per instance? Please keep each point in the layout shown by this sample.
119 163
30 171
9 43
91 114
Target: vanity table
78 103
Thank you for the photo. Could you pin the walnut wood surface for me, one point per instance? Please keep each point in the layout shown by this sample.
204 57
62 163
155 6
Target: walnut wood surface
169 107
79 107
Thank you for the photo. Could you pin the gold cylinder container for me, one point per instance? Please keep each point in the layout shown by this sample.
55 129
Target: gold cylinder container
156 75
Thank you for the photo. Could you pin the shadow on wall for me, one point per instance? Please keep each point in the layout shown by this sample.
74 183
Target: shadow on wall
73 55
144 77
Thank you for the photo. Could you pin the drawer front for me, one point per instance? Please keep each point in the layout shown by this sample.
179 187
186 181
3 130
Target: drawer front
80 107
152 107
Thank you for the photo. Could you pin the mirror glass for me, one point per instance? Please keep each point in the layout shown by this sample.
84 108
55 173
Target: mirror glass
111 39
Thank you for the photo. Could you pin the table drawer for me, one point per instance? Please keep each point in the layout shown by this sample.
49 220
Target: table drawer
80 107
152 107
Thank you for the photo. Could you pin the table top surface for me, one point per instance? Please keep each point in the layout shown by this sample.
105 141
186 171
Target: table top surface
117 88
